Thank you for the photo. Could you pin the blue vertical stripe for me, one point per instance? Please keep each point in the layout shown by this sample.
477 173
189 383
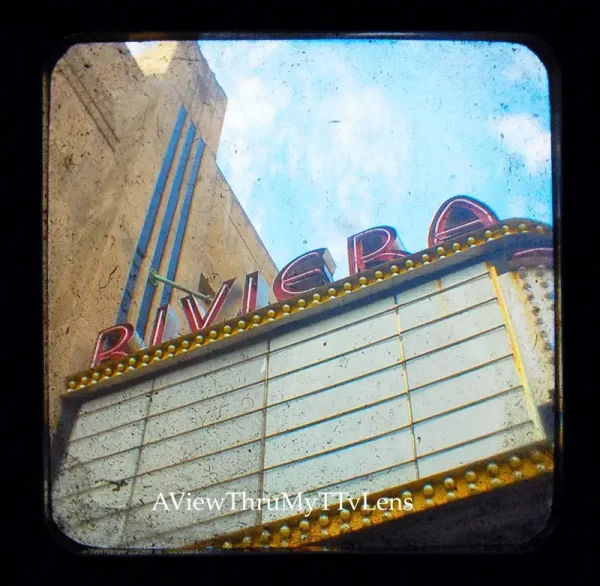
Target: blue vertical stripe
151 212
161 243
183 218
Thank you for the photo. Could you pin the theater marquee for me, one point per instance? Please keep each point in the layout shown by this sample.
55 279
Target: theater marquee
424 378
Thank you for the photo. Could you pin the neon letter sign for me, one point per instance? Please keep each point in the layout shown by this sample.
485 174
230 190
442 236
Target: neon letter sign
193 312
304 273
121 339
256 292
373 247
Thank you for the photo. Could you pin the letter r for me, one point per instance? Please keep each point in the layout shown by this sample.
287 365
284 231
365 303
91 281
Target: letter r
115 342
373 247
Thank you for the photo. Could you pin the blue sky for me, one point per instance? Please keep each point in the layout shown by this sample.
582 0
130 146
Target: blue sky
323 139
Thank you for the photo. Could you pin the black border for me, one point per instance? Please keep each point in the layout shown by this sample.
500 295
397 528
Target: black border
549 46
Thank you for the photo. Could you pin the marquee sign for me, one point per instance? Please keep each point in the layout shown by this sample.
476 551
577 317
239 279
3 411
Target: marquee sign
303 274
418 381
459 218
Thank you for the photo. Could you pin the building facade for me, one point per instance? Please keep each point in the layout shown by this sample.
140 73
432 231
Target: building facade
133 185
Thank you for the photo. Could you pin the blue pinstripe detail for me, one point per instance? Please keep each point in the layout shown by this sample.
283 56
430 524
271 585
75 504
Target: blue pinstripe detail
161 242
151 212
183 218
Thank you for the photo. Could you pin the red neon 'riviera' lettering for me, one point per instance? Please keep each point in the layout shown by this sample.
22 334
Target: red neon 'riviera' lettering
193 313
304 273
373 247
166 323
121 339
256 292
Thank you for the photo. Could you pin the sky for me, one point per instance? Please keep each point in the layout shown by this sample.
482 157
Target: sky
324 139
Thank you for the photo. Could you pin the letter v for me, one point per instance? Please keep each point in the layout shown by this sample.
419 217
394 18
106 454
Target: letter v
177 505
192 312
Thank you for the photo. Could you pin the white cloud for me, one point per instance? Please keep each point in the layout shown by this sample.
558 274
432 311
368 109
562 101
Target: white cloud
525 66
350 142
253 106
251 112
522 134
521 206
260 51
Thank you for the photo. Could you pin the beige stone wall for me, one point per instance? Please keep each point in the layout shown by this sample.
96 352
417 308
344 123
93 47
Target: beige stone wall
110 121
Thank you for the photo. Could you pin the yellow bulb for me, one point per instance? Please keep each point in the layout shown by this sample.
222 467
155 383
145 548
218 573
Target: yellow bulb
171 349
199 339
256 319
271 313
470 476
536 456
286 308
301 302
241 324
316 297
304 525
185 344
331 292
362 281
213 334
378 275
